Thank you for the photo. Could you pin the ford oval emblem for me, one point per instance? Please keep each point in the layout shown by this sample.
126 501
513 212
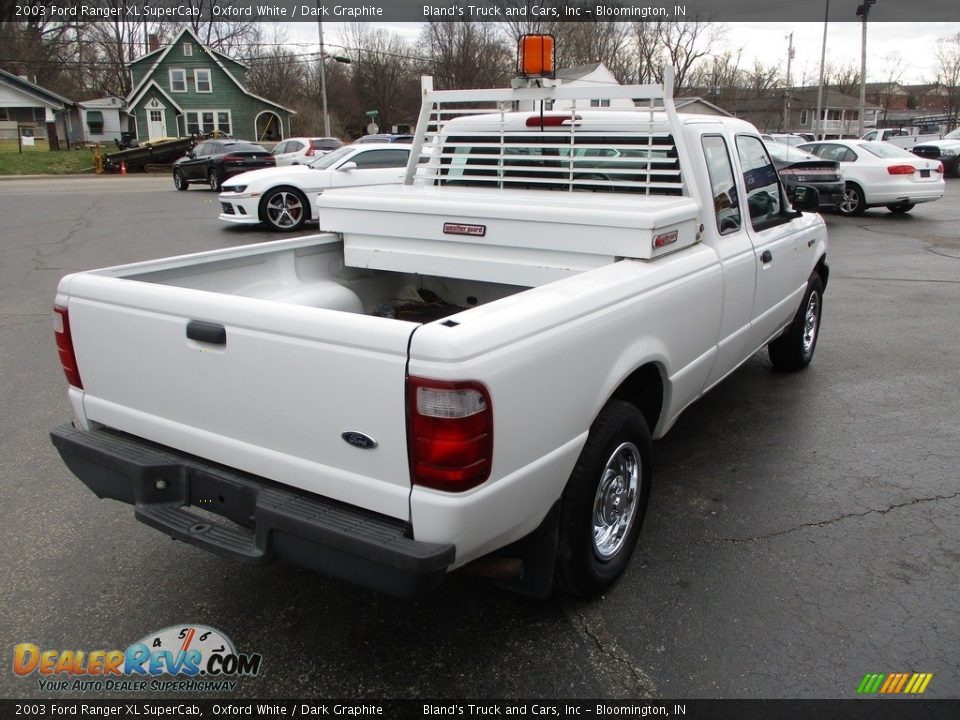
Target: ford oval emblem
359 440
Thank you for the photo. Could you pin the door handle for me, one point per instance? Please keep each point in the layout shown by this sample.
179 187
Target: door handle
207 332
766 257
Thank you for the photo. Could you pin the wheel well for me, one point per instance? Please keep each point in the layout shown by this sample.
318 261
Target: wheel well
822 270
644 389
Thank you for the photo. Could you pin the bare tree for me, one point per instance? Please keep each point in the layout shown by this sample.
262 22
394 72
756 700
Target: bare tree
680 44
383 74
845 79
948 72
719 75
465 55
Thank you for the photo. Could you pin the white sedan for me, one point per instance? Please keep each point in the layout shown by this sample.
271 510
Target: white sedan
284 198
881 174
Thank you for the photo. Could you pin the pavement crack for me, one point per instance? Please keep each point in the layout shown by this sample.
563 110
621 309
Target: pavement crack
839 518
603 649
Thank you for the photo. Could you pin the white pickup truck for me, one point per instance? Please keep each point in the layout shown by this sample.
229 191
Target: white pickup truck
464 373
901 137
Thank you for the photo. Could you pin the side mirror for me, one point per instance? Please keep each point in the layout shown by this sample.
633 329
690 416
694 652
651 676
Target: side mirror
348 166
806 199
192 155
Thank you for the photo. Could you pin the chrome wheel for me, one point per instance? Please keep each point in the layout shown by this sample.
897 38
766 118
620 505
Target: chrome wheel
811 321
615 502
214 179
284 210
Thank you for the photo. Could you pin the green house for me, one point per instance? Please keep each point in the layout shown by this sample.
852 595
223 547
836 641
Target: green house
185 88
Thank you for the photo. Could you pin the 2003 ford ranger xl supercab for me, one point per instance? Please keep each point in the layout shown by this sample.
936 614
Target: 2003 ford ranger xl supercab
467 368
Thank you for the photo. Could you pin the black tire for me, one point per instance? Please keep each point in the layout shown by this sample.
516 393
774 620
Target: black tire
853 202
610 480
794 349
284 209
179 181
214 180
901 208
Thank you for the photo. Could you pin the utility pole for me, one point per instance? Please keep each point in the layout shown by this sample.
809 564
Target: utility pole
323 79
863 11
791 53
817 121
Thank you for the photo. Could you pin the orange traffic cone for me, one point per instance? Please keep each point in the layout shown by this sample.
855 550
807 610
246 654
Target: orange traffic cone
123 167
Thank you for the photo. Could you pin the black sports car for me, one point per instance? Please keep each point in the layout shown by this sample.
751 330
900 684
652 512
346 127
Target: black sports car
798 167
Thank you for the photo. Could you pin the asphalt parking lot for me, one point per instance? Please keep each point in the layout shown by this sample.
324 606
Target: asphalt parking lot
803 529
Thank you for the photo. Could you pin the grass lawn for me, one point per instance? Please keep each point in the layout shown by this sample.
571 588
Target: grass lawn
39 160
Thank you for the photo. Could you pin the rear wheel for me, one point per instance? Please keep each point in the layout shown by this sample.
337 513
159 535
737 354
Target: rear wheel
794 349
853 202
603 506
213 179
179 181
901 208
284 209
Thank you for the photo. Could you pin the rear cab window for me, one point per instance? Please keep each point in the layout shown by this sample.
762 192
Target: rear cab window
726 204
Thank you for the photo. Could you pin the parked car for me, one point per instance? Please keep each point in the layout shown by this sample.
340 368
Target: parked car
878 173
797 167
285 198
213 161
384 138
946 150
301 150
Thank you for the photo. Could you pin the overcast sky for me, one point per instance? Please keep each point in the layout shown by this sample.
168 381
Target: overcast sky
908 49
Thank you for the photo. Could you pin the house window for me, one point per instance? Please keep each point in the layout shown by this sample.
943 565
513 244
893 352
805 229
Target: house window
600 103
95 122
178 80
206 121
187 50
3 114
803 117
201 78
156 116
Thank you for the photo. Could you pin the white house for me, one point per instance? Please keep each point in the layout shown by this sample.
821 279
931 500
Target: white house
100 120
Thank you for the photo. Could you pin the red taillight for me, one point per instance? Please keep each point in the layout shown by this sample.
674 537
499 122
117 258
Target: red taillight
233 158
309 152
550 120
940 168
61 330
901 169
449 433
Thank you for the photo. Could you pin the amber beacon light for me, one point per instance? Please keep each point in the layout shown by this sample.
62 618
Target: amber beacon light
535 56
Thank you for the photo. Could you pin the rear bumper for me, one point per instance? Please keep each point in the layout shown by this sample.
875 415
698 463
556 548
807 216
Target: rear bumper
262 521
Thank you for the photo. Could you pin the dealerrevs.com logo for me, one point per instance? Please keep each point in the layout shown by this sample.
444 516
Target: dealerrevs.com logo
180 658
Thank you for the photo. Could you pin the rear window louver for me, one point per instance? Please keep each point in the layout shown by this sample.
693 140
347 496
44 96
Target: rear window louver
478 139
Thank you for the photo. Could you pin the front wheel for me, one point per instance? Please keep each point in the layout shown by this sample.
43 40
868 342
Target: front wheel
179 181
853 202
213 179
603 506
284 209
794 349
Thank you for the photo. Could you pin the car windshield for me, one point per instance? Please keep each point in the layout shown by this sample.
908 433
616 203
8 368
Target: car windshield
952 135
789 139
886 150
242 147
330 159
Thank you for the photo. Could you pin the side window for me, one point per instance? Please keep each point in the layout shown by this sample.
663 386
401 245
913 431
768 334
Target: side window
870 135
847 155
726 205
761 182
381 159
201 149
280 149
294 146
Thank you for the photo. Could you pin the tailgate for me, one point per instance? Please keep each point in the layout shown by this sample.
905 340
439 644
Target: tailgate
274 399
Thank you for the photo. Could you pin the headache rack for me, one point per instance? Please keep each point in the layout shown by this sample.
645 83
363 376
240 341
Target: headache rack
553 138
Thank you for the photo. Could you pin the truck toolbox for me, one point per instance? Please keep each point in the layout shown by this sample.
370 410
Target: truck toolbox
267 521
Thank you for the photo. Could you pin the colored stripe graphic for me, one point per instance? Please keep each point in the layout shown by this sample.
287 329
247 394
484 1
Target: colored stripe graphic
894 684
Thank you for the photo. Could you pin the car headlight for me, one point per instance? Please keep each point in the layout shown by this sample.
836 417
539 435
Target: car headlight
234 188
